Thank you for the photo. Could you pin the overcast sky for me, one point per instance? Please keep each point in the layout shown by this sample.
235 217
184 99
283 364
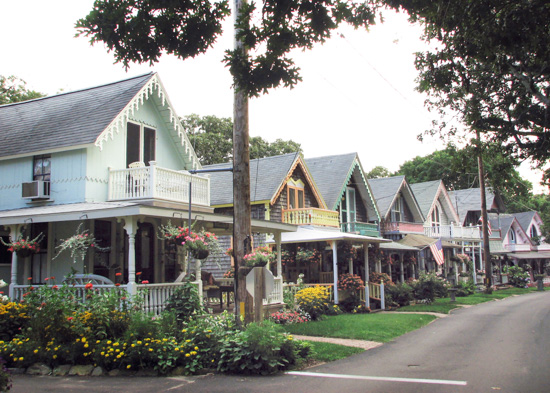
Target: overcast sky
357 93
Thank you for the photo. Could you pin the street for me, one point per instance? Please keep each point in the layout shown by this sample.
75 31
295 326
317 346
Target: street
496 346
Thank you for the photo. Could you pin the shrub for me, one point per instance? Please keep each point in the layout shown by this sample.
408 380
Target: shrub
261 349
287 318
5 378
517 276
13 318
375 278
349 303
185 302
398 295
428 287
313 301
465 288
350 282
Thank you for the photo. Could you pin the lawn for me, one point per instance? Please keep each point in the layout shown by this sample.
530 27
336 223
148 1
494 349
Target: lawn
444 305
326 352
371 327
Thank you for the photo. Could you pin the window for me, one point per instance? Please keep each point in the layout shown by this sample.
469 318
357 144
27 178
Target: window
512 236
42 167
397 209
533 232
435 217
295 195
140 143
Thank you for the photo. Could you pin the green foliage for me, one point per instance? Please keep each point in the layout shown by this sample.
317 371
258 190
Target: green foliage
517 276
378 172
185 302
261 349
327 352
398 295
314 301
13 89
5 378
428 287
13 317
465 288
376 278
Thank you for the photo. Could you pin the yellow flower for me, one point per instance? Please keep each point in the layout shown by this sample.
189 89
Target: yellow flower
109 342
176 349
196 348
86 345
36 351
129 366
83 339
21 359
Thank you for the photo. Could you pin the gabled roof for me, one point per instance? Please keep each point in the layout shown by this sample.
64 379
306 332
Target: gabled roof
525 219
386 190
505 222
470 200
84 118
268 176
427 193
332 175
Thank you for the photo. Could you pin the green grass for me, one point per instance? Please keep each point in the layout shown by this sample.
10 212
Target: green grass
326 352
444 305
371 327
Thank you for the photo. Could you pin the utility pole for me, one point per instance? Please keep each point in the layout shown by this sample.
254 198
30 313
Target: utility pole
241 179
484 219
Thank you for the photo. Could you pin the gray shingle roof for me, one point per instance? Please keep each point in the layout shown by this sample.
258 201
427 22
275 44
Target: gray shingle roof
525 219
64 120
425 194
384 191
331 174
470 200
266 177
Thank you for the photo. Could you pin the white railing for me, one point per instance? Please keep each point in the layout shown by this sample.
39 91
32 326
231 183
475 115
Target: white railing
311 216
154 182
452 231
276 296
517 247
156 295
80 292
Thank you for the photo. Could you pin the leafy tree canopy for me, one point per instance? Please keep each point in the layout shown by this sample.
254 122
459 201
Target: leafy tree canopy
491 65
141 30
13 89
212 138
378 172
458 170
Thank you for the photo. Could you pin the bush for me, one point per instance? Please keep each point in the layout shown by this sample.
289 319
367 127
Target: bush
287 318
261 349
428 287
375 278
398 295
465 288
350 303
13 318
314 301
185 302
5 377
517 276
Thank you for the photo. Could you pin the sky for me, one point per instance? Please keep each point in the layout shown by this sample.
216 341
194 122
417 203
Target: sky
357 94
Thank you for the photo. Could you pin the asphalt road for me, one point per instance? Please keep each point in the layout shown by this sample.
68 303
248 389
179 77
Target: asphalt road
499 346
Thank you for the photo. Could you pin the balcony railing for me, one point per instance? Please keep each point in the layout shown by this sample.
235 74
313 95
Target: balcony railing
311 216
402 227
159 183
452 232
362 228
517 247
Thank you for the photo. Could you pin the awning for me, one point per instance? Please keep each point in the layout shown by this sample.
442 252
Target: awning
530 255
422 241
307 234
394 246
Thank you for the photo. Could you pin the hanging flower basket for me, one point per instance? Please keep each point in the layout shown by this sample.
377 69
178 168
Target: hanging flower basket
24 253
24 247
258 258
78 244
200 254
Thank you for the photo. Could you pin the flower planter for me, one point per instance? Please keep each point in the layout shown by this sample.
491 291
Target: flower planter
200 254
244 270
24 253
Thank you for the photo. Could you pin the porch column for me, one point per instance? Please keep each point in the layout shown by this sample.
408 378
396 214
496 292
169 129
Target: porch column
14 230
130 226
481 257
366 260
335 270
401 273
279 263
474 273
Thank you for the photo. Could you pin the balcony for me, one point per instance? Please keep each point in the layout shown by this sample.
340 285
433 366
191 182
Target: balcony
453 232
512 247
361 228
153 182
402 227
311 216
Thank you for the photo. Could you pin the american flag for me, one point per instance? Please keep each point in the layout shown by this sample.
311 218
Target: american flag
488 225
437 252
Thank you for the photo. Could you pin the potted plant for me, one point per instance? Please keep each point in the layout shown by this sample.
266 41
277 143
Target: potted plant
24 246
200 244
304 255
78 244
261 256
173 234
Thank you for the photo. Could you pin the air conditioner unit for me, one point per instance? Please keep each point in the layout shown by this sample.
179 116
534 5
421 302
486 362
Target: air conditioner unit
38 189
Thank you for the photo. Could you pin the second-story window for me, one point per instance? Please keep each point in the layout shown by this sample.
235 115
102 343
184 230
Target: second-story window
435 217
42 167
140 143
397 210
512 236
295 194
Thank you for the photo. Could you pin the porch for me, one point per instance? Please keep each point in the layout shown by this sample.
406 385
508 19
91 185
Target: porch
361 228
453 232
153 182
395 227
311 216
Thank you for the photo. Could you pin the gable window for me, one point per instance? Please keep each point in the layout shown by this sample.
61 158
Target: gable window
348 210
533 233
512 236
41 167
140 143
397 210
295 194
435 217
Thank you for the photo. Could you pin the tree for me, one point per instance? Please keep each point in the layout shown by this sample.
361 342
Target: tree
491 66
211 137
378 172
13 89
458 168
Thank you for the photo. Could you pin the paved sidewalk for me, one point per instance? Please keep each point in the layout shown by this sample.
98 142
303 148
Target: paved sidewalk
366 345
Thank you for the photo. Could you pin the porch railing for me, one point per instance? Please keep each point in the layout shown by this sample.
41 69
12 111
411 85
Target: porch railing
311 216
452 232
362 228
154 182
276 296
156 295
402 227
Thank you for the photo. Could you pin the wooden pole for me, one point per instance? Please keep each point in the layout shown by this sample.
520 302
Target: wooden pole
485 222
241 178
259 293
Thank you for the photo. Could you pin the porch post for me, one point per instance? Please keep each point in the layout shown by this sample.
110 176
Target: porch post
130 226
335 269
474 273
13 281
279 263
481 257
401 272
366 260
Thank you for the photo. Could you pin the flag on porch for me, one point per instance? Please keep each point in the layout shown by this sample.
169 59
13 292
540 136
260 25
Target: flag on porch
437 252
488 225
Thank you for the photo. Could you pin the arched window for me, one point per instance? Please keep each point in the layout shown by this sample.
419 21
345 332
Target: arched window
435 217
512 236
533 232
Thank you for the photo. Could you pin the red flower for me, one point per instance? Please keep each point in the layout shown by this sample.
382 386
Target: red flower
118 274
55 287
70 319
117 285
89 286
145 282
30 278
138 274
46 279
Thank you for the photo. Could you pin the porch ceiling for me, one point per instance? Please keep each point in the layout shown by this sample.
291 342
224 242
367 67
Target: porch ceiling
397 246
310 234
530 255
104 210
